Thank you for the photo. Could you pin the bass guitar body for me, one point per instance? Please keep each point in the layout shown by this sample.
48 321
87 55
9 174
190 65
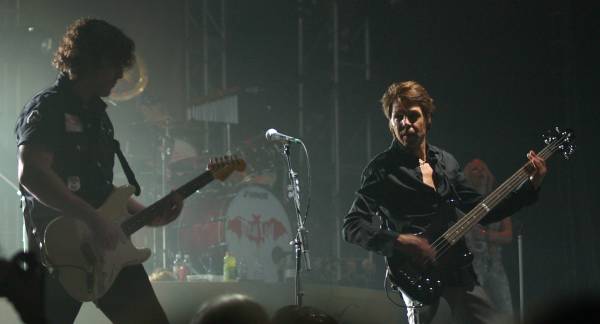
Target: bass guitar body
424 282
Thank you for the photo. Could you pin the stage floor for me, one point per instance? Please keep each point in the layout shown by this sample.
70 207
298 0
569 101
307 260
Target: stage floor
181 300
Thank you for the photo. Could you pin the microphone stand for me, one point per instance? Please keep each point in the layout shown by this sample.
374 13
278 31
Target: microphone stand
300 245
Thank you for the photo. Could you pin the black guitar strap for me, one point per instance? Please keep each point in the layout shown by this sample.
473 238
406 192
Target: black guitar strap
126 168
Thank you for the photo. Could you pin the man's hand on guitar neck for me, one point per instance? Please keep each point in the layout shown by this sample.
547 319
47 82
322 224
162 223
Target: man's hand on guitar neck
537 169
416 247
173 204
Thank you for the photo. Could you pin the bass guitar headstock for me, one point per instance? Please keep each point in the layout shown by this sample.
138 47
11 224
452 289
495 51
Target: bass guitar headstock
222 167
560 140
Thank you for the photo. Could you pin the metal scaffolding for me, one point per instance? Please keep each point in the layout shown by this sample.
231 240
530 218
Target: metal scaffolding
340 63
206 46
202 32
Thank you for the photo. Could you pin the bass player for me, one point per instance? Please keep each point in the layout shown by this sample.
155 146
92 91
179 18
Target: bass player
418 180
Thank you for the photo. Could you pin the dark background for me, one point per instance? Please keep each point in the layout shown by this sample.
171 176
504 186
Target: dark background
500 72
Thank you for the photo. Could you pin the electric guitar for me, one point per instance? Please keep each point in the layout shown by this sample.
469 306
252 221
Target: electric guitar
87 270
423 283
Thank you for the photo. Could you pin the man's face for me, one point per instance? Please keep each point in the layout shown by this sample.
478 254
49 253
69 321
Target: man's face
408 124
105 78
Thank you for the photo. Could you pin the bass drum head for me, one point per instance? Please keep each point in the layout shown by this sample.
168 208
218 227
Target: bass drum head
258 234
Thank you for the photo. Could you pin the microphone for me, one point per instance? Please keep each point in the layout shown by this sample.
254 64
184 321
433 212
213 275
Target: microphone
274 136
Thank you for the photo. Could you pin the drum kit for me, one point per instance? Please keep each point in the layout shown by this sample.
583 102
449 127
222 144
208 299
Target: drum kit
243 216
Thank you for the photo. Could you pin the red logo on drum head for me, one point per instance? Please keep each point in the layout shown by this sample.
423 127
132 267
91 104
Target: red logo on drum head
255 230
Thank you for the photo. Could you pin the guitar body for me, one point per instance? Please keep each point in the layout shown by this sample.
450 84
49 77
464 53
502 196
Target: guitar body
424 283
85 269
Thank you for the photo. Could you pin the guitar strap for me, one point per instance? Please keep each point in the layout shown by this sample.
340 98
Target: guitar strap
126 168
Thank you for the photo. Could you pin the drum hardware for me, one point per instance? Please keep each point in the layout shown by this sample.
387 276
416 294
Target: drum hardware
203 230
165 151
178 160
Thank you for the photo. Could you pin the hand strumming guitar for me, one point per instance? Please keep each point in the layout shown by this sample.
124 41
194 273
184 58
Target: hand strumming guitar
416 247
106 233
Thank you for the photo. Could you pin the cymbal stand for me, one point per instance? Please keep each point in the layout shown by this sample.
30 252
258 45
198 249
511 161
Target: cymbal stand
299 242
165 151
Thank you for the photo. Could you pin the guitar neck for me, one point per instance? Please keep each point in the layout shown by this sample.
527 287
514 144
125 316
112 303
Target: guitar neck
466 223
147 215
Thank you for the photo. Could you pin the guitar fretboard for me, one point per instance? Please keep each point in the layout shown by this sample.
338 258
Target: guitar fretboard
146 216
466 223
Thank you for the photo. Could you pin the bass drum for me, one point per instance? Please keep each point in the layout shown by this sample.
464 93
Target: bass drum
252 225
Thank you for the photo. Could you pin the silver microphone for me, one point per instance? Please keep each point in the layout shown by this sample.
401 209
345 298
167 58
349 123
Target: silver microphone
274 136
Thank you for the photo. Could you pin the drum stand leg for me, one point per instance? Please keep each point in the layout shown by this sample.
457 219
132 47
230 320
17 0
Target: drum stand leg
165 151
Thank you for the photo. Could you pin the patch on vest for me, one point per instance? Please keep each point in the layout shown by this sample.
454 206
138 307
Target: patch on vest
73 183
73 124
34 117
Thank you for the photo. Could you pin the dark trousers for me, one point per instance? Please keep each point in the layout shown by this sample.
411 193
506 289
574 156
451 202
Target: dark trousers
130 300
469 305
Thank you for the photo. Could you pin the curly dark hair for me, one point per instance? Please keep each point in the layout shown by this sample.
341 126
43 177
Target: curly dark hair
408 93
91 43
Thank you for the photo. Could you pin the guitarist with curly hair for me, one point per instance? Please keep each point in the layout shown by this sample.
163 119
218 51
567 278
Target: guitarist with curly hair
66 152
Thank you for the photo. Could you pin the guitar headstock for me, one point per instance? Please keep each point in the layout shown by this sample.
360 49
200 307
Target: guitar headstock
222 167
561 140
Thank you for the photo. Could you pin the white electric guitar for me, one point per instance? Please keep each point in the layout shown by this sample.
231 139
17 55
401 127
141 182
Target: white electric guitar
84 268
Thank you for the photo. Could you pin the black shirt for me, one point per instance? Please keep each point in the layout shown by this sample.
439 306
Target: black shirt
392 187
80 136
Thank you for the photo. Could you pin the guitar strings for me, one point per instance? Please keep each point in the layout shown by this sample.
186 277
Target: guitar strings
492 200
441 245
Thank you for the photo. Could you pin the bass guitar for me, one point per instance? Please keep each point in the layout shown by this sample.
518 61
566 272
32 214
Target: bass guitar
423 283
